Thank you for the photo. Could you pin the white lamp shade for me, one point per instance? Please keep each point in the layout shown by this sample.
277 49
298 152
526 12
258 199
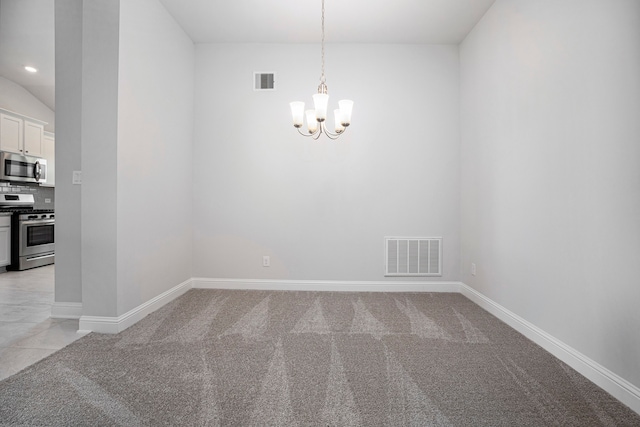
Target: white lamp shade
338 117
320 102
297 111
346 107
312 123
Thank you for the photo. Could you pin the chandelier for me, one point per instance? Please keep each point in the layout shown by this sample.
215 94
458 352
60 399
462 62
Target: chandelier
316 118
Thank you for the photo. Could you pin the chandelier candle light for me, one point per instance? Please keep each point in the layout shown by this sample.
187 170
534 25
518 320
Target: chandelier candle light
316 119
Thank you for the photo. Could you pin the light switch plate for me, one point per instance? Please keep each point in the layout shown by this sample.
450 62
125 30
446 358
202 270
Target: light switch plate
77 177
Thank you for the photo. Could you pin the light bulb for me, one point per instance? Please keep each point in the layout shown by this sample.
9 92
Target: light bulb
320 101
338 118
297 111
346 107
312 123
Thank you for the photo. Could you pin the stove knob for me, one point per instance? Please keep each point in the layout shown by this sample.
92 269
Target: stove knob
43 216
33 217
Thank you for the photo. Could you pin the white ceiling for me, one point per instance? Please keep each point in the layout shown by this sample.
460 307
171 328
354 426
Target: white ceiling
346 21
27 27
27 38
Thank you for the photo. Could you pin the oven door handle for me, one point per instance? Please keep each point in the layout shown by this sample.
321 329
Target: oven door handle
38 222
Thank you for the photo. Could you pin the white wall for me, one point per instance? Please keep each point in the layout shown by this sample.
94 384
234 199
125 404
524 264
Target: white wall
551 170
99 123
16 98
68 275
320 209
154 153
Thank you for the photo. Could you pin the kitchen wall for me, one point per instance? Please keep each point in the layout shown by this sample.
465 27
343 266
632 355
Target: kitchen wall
68 271
551 170
15 98
44 197
320 209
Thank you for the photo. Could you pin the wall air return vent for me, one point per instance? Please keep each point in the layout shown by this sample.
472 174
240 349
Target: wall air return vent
264 80
413 256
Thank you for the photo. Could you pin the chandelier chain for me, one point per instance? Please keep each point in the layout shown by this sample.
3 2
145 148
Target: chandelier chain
322 78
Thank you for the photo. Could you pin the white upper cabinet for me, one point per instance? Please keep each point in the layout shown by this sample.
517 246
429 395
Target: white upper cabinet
33 136
11 131
21 134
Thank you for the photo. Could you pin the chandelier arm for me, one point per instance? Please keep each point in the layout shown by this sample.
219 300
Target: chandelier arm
315 134
329 134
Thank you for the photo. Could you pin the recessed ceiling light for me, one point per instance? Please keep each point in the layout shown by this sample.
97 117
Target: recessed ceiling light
30 69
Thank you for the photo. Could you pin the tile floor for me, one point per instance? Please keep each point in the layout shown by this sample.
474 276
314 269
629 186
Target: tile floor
27 333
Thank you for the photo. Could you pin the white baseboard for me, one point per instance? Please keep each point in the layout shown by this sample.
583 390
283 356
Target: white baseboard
66 310
325 285
612 383
113 325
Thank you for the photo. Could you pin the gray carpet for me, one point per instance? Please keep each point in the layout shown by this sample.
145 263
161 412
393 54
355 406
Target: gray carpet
251 358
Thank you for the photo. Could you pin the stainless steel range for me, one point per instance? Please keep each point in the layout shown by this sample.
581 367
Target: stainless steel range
35 241
32 232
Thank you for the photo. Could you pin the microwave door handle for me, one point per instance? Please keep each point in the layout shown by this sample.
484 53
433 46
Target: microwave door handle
37 171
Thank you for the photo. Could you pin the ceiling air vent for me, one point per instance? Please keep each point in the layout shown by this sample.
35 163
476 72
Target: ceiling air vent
264 81
413 256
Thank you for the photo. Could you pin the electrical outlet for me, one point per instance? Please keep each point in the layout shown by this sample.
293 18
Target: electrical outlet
473 269
47 200
266 261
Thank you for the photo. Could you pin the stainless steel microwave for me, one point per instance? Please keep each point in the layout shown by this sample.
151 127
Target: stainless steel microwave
21 168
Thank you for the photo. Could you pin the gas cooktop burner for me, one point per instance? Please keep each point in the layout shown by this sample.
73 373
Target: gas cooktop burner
24 210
